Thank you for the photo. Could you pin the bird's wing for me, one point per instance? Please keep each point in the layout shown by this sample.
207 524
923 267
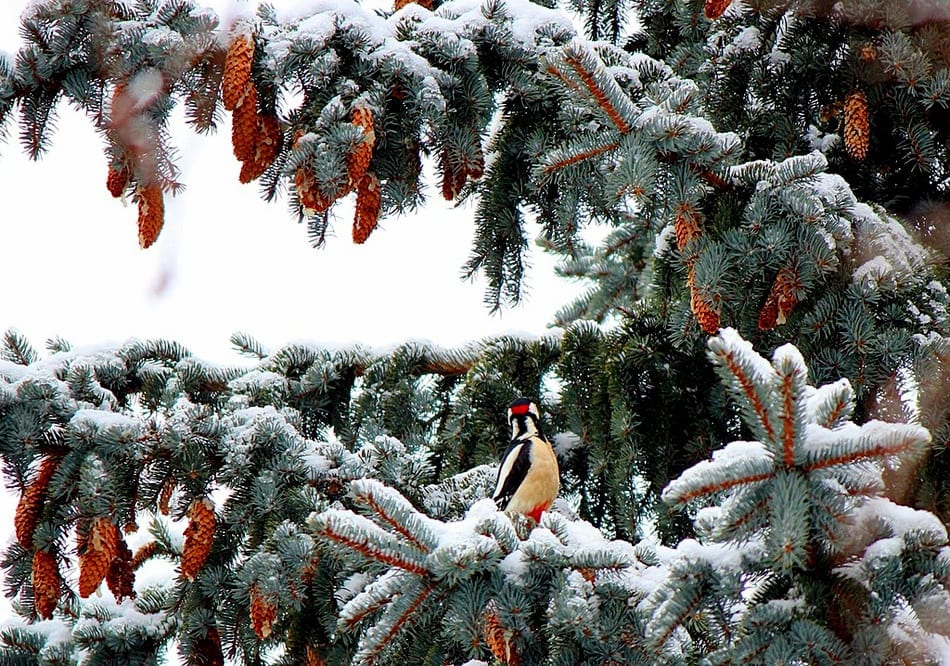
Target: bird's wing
514 468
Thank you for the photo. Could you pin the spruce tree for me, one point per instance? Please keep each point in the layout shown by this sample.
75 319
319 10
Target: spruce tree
747 404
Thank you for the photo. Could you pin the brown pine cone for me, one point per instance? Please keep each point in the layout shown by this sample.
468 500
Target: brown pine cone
237 71
143 554
706 316
368 202
31 502
686 225
207 649
121 576
97 551
263 612
266 149
498 639
47 583
857 129
361 155
151 214
199 537
715 8
117 180
453 179
165 496
399 4
245 127
310 195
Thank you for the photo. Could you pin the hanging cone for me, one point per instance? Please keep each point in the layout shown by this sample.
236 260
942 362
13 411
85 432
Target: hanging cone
245 127
31 502
686 225
121 576
266 148
857 129
97 551
207 649
165 496
867 52
237 71
782 299
453 179
768 315
143 554
151 213
310 195
47 583
361 155
263 612
117 180
715 8
199 537
368 202
399 4
476 169
499 638
313 657
706 316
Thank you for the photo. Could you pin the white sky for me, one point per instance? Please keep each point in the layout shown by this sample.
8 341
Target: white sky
226 261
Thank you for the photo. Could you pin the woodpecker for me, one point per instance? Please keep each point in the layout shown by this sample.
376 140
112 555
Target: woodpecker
528 478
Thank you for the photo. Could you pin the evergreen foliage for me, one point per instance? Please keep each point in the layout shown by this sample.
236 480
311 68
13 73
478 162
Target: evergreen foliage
733 181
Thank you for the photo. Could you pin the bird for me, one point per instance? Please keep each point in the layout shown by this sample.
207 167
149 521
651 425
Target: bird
528 477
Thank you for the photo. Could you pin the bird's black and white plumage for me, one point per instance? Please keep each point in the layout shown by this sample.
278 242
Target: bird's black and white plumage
528 478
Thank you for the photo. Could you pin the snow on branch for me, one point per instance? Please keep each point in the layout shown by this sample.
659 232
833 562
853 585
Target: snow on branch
794 505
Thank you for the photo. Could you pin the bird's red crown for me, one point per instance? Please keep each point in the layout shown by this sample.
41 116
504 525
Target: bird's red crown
521 409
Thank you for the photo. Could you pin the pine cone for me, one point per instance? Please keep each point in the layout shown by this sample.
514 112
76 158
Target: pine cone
47 583
867 52
165 496
151 213
237 71
857 129
686 225
476 169
453 179
706 316
143 554
313 657
368 201
399 4
498 639
121 575
117 180
245 127
768 315
263 612
310 195
362 153
97 551
31 502
199 537
715 8
266 149
207 649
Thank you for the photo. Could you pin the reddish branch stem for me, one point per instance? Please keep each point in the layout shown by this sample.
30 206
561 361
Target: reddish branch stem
372 553
788 423
879 451
392 522
749 389
599 95
579 157
725 485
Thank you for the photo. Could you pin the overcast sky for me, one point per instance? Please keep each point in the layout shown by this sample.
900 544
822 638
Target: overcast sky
226 261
